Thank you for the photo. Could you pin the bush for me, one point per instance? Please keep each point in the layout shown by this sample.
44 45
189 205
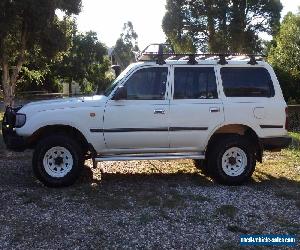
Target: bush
294 118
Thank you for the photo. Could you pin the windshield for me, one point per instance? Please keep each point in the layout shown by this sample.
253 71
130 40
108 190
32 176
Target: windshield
112 86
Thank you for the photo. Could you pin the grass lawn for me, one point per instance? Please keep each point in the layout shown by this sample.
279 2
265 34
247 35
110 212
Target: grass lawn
295 135
283 167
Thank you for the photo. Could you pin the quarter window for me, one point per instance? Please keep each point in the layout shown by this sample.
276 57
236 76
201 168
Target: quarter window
247 82
195 83
147 84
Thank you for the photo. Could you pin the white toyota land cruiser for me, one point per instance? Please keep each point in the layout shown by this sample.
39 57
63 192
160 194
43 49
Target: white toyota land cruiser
220 110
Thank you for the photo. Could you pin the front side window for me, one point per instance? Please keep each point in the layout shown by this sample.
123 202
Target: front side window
247 82
113 85
195 83
147 84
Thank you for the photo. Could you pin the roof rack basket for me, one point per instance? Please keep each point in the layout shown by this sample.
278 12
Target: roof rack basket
165 52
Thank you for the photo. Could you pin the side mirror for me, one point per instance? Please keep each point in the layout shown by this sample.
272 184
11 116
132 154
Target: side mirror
117 69
121 94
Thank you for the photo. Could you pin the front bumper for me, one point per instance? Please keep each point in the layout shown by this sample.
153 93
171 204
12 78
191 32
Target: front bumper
276 143
12 141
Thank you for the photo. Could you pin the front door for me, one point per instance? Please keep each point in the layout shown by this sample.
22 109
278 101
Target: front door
140 123
195 110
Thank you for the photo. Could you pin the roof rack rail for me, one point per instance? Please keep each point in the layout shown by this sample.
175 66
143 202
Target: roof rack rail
166 52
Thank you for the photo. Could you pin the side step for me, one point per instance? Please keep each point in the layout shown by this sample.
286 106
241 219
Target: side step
156 156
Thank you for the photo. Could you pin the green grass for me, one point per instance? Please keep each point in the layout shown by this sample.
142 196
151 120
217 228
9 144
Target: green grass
295 135
295 140
280 172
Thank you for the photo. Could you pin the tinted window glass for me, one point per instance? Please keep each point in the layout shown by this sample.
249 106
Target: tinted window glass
247 82
147 84
195 83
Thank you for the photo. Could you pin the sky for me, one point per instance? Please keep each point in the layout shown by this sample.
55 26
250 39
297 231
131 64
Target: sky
107 18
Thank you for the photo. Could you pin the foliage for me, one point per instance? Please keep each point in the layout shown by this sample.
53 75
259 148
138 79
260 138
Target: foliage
220 25
85 62
284 56
126 45
294 119
27 26
296 137
37 71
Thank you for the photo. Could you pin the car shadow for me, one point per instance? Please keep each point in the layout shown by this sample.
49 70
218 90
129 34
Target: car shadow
178 178
259 181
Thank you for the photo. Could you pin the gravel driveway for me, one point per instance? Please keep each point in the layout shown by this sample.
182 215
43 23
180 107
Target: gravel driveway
145 205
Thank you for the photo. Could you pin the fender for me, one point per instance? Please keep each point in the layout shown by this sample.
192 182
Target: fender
81 119
213 132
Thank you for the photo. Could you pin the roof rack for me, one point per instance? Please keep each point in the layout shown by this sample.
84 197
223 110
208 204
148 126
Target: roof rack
166 52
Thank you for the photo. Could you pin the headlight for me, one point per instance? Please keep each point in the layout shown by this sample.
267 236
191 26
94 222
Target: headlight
20 120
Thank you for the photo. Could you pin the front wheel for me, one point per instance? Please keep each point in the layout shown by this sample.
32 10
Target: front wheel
57 161
232 160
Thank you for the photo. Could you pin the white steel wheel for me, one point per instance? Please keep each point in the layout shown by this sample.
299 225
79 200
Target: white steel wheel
58 162
234 162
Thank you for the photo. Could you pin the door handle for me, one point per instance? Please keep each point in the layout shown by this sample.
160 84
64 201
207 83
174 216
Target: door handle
214 110
159 112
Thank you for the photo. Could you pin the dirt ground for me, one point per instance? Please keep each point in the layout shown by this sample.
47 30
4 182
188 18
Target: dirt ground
146 205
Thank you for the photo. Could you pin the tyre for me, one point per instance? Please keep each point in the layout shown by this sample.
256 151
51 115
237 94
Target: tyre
232 160
57 161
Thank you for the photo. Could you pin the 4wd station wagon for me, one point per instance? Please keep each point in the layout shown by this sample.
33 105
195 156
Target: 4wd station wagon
220 110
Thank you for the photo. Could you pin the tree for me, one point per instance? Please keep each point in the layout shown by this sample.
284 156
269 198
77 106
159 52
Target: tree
220 25
37 72
27 26
284 56
126 45
174 27
85 62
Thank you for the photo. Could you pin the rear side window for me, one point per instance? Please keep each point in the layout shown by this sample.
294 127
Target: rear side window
247 82
195 83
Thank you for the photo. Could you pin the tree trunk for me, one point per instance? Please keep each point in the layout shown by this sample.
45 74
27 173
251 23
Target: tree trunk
9 82
212 44
6 83
10 74
238 26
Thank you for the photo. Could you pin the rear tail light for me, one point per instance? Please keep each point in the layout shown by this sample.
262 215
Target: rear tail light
286 118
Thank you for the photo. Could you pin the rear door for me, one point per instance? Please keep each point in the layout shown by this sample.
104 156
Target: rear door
253 97
195 109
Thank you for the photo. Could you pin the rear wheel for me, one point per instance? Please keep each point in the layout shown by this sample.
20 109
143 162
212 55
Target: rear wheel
57 161
232 160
